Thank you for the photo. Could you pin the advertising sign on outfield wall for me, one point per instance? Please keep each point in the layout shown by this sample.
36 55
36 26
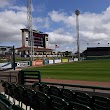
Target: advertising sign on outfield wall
50 61
75 59
64 60
70 60
58 61
1 64
37 63
6 65
22 64
46 62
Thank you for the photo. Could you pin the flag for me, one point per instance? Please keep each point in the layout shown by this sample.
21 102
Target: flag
56 46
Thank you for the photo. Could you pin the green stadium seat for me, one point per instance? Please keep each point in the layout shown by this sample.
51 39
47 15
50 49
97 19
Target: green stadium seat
2 96
55 91
83 98
58 103
100 103
36 86
68 95
44 101
5 86
35 103
16 107
77 106
6 101
4 106
11 91
28 96
19 93
44 88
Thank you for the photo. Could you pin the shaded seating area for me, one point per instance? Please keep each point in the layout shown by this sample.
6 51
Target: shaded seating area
47 97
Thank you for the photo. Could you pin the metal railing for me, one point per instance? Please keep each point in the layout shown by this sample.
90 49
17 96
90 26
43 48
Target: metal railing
30 77
9 77
92 89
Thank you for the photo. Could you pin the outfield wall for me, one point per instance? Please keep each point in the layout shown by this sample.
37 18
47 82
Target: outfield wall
40 62
97 57
54 61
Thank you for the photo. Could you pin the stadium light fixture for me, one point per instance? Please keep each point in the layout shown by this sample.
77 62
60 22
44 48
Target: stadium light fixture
108 44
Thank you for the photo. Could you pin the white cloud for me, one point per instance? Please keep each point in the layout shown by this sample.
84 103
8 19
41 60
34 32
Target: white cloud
5 3
94 36
57 16
18 8
61 27
10 24
40 23
93 27
56 38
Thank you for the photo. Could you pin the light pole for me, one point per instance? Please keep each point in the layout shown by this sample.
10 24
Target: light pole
30 27
77 12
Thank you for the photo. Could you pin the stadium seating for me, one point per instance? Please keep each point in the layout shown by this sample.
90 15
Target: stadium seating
5 86
100 103
27 97
58 103
77 106
45 89
83 98
11 90
4 106
18 93
6 101
2 96
44 100
55 91
67 95
36 86
50 98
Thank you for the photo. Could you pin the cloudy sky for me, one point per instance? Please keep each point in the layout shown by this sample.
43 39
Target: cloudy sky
57 18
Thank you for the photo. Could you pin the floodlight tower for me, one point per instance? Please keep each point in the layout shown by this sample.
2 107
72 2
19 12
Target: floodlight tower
77 12
30 28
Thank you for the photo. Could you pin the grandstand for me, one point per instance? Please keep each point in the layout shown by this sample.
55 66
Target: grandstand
97 53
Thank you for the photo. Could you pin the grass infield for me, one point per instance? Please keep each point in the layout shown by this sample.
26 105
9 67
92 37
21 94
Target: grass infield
95 70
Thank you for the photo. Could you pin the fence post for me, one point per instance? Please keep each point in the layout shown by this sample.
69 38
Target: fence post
21 77
39 77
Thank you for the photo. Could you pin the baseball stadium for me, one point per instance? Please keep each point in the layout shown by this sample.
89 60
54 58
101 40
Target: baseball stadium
59 83
36 77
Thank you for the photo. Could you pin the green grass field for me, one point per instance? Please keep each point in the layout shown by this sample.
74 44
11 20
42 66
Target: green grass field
97 70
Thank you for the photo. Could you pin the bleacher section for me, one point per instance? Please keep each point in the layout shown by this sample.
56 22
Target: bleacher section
49 97
94 53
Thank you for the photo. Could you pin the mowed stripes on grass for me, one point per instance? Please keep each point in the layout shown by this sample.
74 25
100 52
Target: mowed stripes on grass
96 70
